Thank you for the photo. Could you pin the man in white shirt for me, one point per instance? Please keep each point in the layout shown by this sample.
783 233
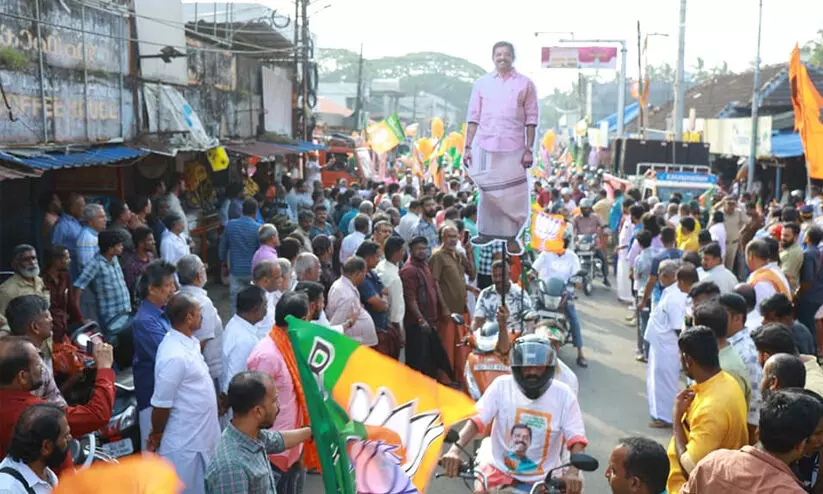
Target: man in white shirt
663 370
718 231
174 244
266 275
353 240
529 413
184 425
240 335
409 221
766 276
753 319
388 271
307 267
191 273
38 446
563 266
714 269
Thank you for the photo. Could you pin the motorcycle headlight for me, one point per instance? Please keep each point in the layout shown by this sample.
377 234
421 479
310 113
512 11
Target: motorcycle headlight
551 303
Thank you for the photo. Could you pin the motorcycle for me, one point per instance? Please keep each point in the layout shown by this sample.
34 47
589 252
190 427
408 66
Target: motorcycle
548 485
121 436
585 248
86 450
484 365
550 298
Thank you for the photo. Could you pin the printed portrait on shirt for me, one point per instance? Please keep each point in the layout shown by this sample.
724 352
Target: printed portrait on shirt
520 440
528 442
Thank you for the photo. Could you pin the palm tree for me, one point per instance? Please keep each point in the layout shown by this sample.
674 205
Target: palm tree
813 50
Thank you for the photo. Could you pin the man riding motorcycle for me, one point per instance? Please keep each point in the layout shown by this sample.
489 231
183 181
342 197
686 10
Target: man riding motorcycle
563 266
529 414
587 223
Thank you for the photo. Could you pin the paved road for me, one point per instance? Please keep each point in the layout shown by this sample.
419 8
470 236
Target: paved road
612 388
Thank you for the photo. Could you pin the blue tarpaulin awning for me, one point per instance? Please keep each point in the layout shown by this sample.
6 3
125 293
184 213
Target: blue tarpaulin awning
41 160
629 114
301 146
786 145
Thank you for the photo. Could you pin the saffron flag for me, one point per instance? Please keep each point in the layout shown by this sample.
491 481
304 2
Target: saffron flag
807 104
386 135
371 414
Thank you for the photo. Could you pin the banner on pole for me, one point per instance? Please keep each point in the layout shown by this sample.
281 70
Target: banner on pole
579 57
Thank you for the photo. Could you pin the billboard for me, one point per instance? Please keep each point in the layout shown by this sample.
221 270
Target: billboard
579 57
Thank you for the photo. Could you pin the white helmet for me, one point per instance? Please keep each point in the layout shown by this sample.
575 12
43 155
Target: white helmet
565 191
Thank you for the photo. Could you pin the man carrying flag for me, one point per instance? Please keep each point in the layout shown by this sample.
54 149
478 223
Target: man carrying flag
502 118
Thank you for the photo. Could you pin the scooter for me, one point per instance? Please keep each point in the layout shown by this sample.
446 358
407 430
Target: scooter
586 247
121 436
548 485
484 365
550 298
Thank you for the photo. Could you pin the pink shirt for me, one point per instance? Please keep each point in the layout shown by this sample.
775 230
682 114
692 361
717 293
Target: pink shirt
263 253
266 357
502 107
344 299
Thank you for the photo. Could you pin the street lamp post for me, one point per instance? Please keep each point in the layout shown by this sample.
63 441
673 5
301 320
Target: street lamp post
755 103
680 80
621 86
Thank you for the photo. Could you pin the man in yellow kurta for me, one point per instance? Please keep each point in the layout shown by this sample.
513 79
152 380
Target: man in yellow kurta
709 415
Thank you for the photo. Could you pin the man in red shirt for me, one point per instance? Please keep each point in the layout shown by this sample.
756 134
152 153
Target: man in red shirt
20 373
543 196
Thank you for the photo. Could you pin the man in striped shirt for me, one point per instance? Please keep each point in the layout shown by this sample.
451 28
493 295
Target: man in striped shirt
237 246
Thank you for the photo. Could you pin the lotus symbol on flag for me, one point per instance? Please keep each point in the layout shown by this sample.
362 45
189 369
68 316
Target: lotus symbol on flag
416 431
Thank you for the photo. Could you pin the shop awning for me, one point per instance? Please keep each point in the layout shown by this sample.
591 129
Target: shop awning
43 160
786 145
266 151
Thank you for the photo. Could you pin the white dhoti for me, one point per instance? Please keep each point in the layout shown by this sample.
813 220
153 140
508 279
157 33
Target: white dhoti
190 467
624 284
662 379
503 192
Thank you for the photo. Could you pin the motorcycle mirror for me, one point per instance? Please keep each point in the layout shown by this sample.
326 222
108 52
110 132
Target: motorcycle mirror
458 319
82 340
453 436
584 462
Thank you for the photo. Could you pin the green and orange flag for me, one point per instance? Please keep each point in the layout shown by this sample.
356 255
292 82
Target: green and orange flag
378 425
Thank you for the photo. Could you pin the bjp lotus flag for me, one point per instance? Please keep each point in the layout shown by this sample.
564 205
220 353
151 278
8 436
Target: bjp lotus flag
385 135
547 232
548 141
807 104
371 414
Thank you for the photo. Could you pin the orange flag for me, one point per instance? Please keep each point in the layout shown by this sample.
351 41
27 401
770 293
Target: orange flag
807 104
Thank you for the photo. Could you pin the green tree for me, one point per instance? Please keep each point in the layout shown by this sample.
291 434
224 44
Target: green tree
443 75
814 50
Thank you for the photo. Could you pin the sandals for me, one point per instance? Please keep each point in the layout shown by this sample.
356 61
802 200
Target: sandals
582 362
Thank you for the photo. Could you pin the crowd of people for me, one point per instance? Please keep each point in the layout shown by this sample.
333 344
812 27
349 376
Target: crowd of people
731 309
385 264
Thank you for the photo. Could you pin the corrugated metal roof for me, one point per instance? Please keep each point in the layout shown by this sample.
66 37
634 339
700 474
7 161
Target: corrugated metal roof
264 150
41 160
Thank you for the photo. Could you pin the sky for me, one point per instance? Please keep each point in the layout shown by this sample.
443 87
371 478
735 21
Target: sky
716 30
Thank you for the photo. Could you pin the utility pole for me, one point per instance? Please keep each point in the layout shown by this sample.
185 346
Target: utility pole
755 104
305 46
358 104
414 105
296 78
680 80
640 83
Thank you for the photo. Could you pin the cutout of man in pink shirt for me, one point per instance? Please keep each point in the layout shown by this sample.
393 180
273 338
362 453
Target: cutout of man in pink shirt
502 119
